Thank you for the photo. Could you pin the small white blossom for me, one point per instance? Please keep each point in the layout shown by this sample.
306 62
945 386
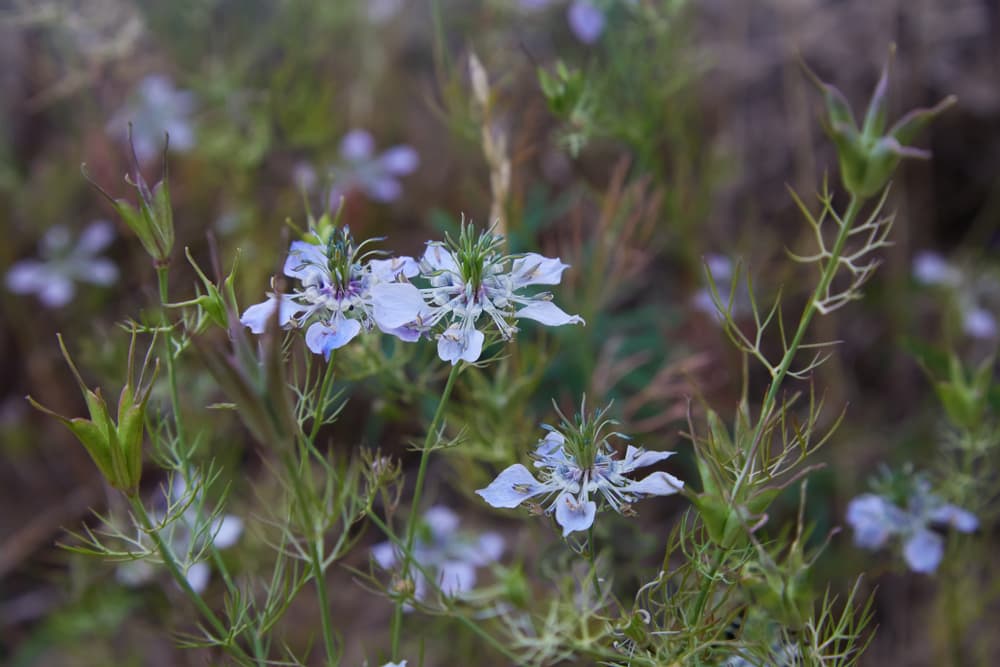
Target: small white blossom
62 264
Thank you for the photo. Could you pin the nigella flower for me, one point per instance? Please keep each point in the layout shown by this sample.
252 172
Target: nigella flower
468 279
62 264
578 465
930 268
375 175
876 519
186 536
586 21
334 296
157 108
447 554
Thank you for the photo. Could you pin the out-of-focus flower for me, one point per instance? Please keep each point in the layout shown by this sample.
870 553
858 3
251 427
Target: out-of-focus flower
375 175
335 293
443 551
401 663
62 264
156 109
185 536
576 466
721 268
876 519
930 268
380 11
470 278
586 20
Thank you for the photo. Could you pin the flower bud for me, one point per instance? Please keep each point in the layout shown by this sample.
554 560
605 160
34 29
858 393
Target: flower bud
153 219
115 448
869 155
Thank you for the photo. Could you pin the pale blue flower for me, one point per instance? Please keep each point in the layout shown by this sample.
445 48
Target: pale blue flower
401 663
186 536
931 269
586 20
333 301
875 520
577 471
375 175
449 555
156 109
467 280
62 264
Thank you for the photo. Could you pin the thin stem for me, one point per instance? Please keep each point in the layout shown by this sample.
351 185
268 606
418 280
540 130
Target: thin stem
829 272
321 400
699 605
592 557
175 571
411 523
162 273
316 564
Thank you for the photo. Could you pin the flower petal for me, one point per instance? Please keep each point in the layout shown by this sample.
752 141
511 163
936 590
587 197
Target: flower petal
357 146
637 457
226 530
384 554
573 515
441 521
98 271
548 314
923 551
197 576
586 21
395 305
57 292
535 269
400 160
28 276
656 484
456 577
383 188
324 337
512 487
961 520
440 258
388 270
869 516
456 343
304 260
257 315
96 237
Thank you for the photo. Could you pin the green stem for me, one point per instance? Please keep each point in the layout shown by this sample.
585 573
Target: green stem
411 523
829 272
321 402
699 605
162 276
175 571
316 564
592 557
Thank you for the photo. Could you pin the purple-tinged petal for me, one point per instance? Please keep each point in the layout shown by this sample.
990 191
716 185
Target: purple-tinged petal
396 305
384 554
96 237
961 520
56 241
552 441
548 314
656 484
535 269
923 551
456 577
383 188
637 457
573 515
197 576
388 270
28 276
357 146
456 343
930 268
441 521
870 517
440 258
323 338
304 259
257 315
57 292
400 160
489 548
512 487
586 21
97 271
226 530
979 323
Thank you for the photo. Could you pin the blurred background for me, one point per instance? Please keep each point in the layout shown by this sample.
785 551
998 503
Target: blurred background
662 136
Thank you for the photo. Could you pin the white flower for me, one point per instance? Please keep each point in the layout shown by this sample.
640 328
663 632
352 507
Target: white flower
469 279
577 470
62 264
451 556
156 109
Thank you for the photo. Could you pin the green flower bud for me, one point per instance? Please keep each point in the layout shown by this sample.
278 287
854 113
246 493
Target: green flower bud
115 448
868 156
965 399
153 219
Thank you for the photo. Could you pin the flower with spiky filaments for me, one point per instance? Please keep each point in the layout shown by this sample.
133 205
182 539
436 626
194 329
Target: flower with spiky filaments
467 279
876 518
577 463
335 294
